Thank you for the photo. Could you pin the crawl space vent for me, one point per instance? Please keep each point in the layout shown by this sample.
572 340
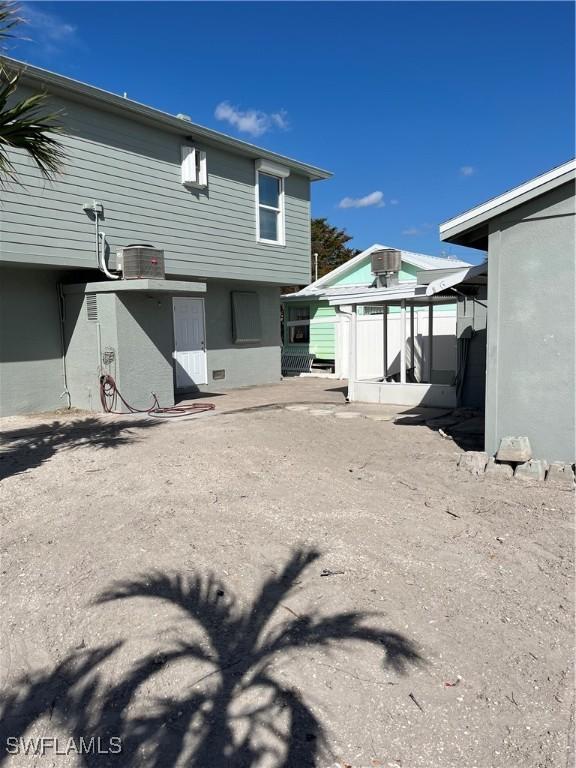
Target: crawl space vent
92 307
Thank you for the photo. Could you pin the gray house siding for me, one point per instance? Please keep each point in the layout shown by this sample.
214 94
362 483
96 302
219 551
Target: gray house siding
530 355
31 377
134 170
128 158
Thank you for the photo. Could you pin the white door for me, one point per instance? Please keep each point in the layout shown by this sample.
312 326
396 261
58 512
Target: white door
189 343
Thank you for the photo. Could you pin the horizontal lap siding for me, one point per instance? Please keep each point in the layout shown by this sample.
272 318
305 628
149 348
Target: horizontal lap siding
134 170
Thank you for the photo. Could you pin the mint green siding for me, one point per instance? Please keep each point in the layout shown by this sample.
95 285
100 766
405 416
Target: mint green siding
362 274
322 334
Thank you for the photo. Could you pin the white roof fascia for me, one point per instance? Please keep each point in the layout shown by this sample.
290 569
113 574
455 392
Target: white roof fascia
394 293
506 197
459 276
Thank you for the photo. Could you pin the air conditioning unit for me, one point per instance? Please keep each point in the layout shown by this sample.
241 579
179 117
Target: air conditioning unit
140 261
386 260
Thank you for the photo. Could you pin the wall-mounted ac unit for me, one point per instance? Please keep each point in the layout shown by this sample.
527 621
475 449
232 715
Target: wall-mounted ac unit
386 260
138 261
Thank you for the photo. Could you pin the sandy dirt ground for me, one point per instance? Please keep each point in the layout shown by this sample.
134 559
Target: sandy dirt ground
269 586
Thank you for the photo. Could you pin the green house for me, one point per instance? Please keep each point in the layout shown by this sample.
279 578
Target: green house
313 335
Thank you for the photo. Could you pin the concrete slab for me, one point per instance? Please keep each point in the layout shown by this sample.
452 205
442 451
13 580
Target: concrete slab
515 449
560 475
535 469
473 461
499 470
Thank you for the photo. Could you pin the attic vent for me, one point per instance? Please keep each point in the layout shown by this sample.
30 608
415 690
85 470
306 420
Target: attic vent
92 307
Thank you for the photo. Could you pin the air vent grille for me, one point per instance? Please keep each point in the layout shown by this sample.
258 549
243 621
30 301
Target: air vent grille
92 307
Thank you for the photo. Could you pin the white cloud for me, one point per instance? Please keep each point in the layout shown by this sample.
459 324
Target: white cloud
417 231
47 31
412 231
251 121
393 201
467 170
373 199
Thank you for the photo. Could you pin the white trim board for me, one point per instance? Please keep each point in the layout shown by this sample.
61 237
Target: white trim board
555 174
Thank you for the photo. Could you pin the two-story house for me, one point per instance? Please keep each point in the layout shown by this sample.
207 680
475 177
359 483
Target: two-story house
219 226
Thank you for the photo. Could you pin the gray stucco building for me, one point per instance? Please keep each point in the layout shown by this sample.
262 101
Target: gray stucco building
230 221
530 362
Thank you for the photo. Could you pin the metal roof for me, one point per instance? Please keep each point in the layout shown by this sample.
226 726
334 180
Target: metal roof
92 95
393 294
321 286
457 277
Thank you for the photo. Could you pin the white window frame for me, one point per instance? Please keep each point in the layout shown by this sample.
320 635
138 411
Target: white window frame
278 172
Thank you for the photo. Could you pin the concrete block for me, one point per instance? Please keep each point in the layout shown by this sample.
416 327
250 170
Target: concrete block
498 469
514 449
473 461
560 475
535 469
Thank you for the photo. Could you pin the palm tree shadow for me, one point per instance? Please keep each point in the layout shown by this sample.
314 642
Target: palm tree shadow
28 448
236 713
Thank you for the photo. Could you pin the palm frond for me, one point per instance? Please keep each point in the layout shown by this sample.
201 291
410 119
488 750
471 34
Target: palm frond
26 124
9 19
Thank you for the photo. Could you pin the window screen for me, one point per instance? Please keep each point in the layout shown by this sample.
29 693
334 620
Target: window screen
246 325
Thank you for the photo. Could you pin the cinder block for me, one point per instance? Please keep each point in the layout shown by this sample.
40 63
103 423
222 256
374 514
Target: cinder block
473 461
535 469
497 469
560 475
515 449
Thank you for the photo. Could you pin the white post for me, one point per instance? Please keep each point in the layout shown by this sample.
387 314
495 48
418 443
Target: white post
412 352
352 365
385 340
430 340
403 342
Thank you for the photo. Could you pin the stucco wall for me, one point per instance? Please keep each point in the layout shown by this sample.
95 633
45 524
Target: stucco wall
530 356
244 364
134 336
145 347
31 376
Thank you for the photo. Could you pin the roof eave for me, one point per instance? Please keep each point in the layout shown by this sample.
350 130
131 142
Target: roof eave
471 227
157 117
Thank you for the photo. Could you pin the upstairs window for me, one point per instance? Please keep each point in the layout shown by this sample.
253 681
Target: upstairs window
270 202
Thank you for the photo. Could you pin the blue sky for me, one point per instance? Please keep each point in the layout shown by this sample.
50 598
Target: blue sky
421 110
